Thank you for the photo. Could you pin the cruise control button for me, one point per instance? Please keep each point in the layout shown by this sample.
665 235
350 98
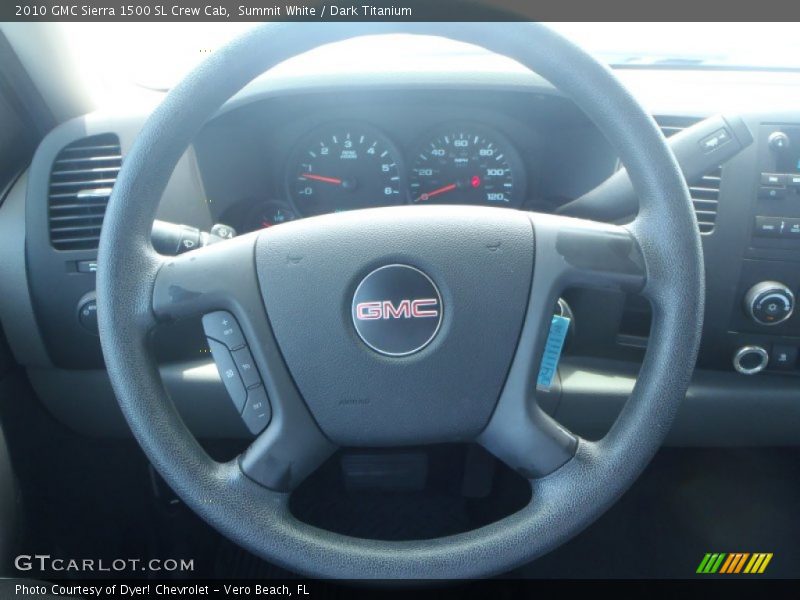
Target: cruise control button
221 326
228 373
247 368
257 412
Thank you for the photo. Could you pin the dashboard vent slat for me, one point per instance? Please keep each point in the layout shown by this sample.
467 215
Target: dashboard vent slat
704 191
81 180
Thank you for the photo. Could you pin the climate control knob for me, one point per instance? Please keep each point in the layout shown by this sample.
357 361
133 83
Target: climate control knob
769 302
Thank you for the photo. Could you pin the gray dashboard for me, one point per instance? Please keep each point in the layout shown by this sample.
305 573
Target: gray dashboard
240 158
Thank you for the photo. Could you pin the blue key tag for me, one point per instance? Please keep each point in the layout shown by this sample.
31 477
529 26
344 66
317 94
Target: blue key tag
559 327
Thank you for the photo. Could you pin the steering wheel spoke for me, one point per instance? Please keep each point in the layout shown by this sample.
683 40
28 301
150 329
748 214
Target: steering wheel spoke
569 253
221 280
217 277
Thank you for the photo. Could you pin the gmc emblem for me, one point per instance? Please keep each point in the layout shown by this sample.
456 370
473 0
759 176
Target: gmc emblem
397 310
405 309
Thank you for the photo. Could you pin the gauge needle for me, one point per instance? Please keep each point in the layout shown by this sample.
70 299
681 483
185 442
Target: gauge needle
437 191
333 180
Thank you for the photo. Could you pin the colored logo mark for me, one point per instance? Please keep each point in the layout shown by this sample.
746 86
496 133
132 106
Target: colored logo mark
734 563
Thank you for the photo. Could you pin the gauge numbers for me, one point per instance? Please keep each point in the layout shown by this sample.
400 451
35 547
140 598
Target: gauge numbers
465 165
345 167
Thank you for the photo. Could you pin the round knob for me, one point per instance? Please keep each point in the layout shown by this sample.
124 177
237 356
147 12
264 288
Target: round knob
87 312
769 302
778 141
750 360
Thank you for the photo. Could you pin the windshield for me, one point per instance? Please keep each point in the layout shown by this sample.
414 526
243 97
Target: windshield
156 56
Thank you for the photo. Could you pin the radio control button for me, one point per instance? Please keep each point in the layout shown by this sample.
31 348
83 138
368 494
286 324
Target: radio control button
247 368
228 373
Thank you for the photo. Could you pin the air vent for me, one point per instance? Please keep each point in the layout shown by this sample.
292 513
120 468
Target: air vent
705 191
80 183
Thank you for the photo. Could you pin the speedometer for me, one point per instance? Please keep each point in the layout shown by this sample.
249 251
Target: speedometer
467 165
345 167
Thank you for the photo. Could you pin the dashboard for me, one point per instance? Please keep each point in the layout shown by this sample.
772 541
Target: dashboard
292 148
283 159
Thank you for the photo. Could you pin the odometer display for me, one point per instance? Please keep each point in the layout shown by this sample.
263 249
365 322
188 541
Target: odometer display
344 167
467 166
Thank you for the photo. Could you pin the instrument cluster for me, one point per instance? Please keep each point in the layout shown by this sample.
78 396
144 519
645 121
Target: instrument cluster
351 165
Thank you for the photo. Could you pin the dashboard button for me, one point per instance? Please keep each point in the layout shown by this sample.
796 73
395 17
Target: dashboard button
87 312
86 266
793 180
221 326
768 226
257 411
783 357
778 141
769 302
247 368
228 373
774 179
791 229
769 192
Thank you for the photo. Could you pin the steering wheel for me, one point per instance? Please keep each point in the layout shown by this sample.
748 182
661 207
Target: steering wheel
402 325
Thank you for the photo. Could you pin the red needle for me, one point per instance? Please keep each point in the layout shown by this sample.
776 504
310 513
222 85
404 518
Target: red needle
436 192
333 180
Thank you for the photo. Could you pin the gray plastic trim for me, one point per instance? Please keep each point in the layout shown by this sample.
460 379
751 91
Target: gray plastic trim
721 409
16 305
8 505
85 402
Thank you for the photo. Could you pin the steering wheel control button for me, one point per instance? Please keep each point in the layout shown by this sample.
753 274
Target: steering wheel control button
397 310
783 358
222 326
769 303
750 360
247 368
229 373
257 411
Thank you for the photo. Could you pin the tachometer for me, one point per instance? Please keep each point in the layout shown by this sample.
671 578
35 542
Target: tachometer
345 167
467 165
